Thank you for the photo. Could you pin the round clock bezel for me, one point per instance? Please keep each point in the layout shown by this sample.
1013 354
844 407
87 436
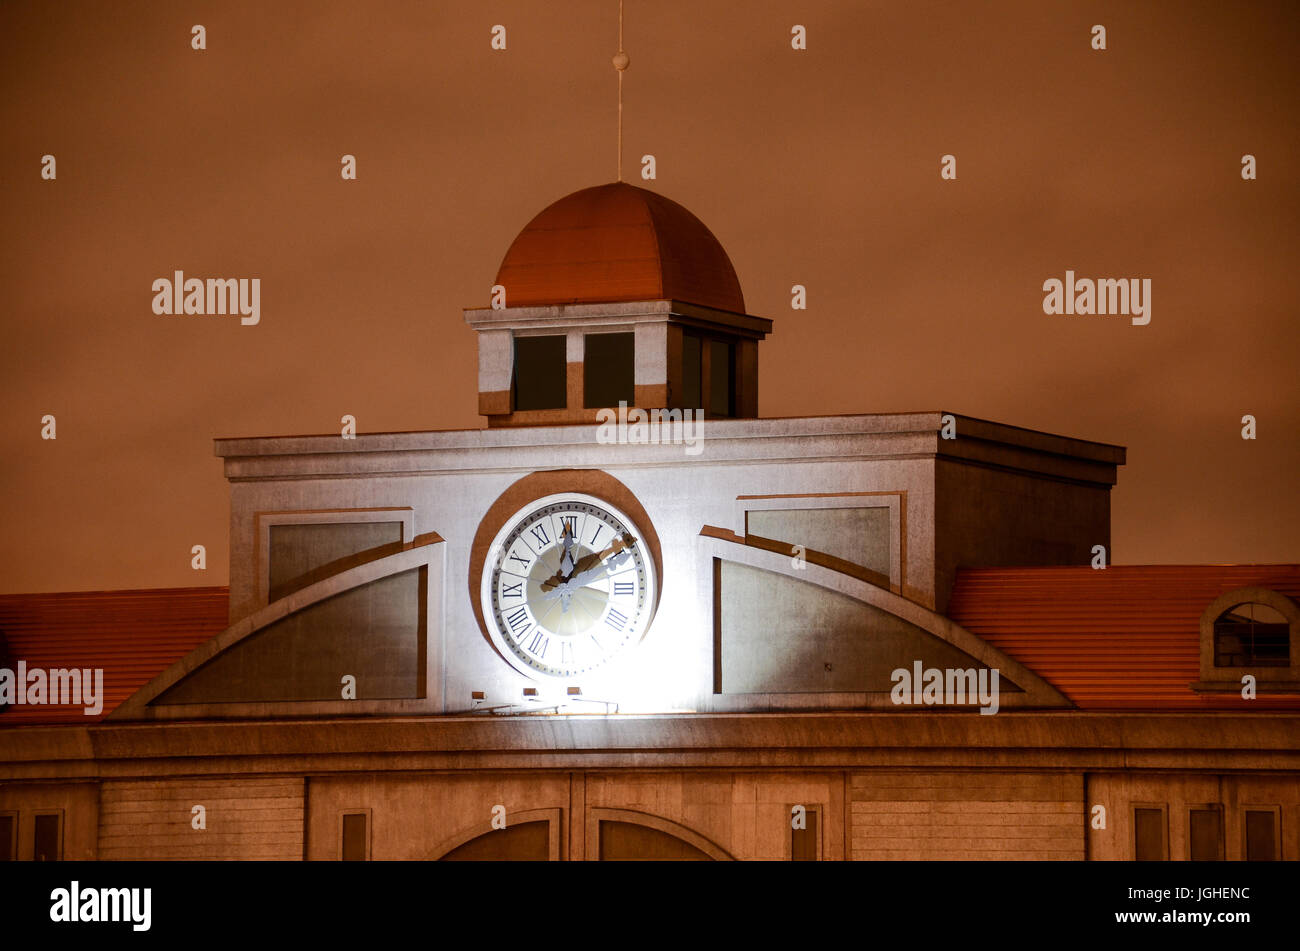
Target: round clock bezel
496 555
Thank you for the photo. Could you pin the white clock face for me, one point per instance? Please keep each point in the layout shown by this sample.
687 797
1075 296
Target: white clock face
568 585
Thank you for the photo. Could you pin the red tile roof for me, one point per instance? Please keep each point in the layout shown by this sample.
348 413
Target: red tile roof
1121 638
132 635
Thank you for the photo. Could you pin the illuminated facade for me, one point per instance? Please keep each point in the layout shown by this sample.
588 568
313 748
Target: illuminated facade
603 627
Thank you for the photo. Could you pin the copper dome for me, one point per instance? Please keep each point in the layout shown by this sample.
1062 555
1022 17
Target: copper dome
618 242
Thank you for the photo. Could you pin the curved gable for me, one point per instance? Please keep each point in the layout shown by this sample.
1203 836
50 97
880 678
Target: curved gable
291 657
843 641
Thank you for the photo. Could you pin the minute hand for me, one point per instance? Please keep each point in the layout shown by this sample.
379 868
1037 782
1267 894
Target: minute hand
582 577
584 564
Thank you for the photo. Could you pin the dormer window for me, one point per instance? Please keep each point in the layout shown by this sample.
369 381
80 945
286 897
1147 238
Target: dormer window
1252 635
1250 632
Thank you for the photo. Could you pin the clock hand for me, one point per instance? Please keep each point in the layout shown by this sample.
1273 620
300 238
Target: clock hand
566 559
566 588
587 561
581 578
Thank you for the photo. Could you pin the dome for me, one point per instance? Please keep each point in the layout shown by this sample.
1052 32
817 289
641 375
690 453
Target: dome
618 242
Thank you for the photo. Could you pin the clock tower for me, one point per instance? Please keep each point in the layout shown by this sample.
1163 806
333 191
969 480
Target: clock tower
615 295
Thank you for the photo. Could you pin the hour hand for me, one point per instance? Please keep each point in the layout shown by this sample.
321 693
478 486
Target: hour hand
567 563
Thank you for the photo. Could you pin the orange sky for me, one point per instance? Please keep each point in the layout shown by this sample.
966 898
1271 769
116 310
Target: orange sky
818 167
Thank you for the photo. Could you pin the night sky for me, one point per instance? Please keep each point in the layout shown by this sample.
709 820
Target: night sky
816 167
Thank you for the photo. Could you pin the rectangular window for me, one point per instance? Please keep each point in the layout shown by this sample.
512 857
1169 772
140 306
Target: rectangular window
356 837
541 379
8 836
692 372
1205 834
1149 839
1261 835
609 370
49 844
803 842
722 396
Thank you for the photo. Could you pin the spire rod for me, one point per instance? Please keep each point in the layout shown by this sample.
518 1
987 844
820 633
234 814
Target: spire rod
620 64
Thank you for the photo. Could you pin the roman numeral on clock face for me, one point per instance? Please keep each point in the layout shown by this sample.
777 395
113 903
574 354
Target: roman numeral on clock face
622 588
518 621
571 523
539 533
566 653
616 620
539 641
523 562
515 590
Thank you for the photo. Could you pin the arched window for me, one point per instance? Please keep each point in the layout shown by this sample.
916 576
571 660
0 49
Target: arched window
1250 632
1252 635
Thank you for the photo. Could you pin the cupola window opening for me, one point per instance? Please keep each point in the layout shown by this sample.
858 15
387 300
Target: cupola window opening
609 369
708 374
692 370
722 375
540 373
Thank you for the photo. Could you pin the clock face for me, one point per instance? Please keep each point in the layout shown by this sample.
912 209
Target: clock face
568 585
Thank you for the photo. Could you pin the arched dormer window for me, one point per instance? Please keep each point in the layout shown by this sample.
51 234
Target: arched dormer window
1253 631
1252 635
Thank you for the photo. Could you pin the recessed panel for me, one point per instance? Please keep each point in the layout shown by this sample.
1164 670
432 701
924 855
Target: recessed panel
302 554
857 535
